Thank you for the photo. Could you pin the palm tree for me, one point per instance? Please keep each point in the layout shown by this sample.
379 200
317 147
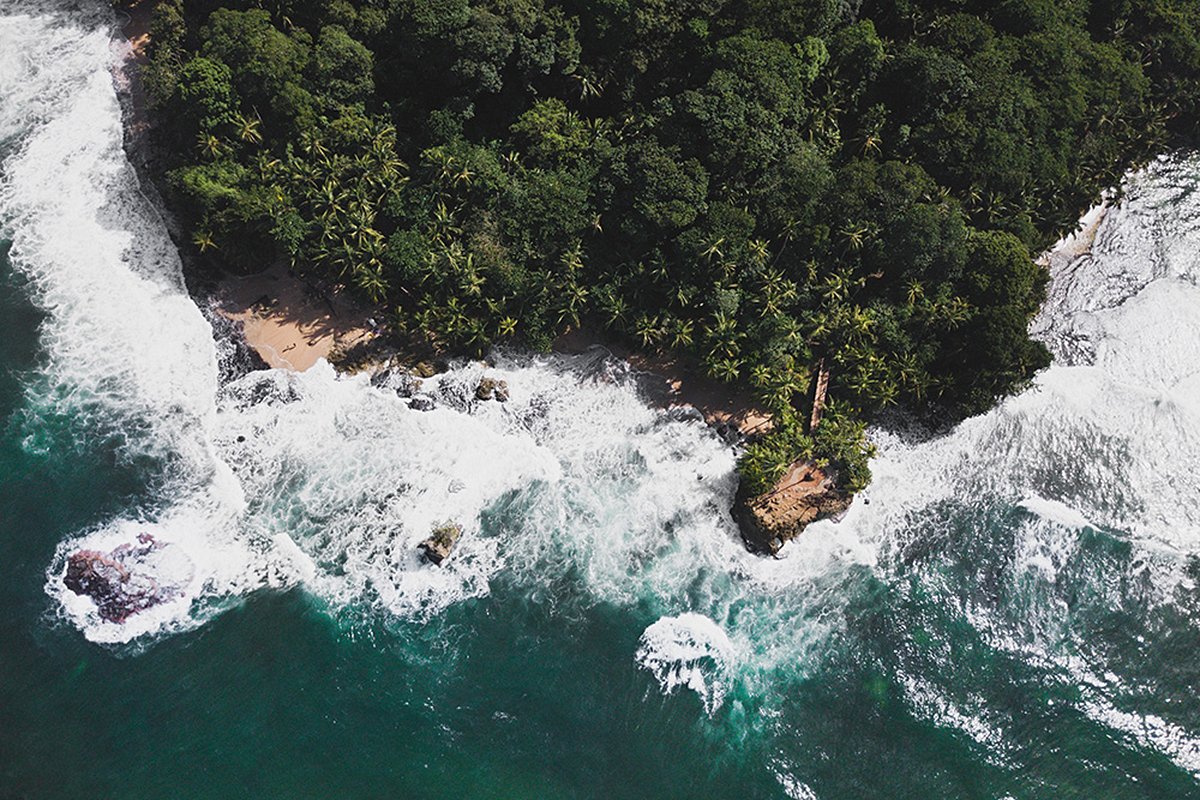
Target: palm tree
855 236
758 249
203 239
248 128
371 282
724 334
725 369
649 329
588 86
209 145
714 249
682 336
311 144
837 286
615 306
915 292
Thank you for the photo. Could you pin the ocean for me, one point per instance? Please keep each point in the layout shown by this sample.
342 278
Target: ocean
1011 610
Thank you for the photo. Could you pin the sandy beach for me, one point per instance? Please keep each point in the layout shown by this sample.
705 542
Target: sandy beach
290 324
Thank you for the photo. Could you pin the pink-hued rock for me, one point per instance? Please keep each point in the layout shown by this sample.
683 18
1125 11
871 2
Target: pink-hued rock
114 581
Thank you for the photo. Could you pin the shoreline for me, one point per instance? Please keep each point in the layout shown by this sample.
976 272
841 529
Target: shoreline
292 324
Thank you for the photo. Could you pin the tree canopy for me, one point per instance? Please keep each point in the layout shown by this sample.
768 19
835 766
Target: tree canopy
761 185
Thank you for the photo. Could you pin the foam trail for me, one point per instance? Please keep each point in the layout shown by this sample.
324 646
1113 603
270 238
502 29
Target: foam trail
128 355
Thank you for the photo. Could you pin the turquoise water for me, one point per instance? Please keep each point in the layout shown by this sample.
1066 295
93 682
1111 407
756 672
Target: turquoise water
1011 610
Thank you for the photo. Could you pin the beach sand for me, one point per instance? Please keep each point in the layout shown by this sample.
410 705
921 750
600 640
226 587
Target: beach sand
289 324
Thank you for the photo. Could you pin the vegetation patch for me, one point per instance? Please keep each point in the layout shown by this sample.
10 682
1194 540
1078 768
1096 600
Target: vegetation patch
763 185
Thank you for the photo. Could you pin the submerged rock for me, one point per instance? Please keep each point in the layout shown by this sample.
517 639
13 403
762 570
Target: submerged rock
502 391
803 496
439 544
114 581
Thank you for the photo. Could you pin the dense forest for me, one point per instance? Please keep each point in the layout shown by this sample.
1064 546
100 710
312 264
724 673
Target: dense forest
762 185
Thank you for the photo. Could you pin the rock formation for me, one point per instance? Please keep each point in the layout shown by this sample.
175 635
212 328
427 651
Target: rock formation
804 495
114 581
492 389
439 544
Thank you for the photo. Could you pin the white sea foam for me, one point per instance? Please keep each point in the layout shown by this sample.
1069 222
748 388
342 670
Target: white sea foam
688 650
1055 511
128 355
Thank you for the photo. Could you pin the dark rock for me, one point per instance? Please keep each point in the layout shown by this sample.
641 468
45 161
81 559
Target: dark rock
804 495
403 382
502 391
439 544
235 358
730 434
383 378
423 369
422 402
113 580
486 389
685 413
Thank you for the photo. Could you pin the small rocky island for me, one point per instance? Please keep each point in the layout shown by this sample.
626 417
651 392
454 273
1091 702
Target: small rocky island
804 495
440 542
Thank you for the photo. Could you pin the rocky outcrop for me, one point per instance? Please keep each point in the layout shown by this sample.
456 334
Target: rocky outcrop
114 580
492 389
803 496
439 544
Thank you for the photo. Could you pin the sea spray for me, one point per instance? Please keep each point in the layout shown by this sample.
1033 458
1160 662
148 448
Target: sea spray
129 359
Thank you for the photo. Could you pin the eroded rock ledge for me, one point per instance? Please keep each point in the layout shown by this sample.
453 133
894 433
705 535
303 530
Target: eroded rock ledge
804 495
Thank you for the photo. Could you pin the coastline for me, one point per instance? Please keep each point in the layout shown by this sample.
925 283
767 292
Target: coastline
292 324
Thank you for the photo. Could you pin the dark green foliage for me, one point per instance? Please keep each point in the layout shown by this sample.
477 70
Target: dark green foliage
205 89
761 185
342 67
